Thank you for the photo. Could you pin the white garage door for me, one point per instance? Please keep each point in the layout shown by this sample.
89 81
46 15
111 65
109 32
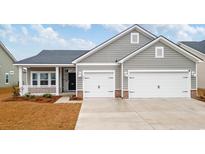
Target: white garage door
99 84
159 84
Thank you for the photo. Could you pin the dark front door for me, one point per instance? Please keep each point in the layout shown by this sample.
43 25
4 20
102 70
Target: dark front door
72 81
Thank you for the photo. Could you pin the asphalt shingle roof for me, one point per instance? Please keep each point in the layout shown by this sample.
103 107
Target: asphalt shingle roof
200 46
54 57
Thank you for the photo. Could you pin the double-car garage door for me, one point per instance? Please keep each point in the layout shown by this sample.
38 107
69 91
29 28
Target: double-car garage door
141 84
159 84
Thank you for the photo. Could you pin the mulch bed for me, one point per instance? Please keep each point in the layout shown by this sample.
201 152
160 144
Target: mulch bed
75 98
37 99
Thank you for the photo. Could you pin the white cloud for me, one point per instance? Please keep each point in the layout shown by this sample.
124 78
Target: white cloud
44 36
82 26
175 32
116 27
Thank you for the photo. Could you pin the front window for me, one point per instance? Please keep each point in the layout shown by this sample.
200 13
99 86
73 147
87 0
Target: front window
34 79
53 79
43 78
6 78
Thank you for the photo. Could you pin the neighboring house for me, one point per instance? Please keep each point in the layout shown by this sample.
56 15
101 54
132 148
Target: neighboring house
8 72
198 49
133 64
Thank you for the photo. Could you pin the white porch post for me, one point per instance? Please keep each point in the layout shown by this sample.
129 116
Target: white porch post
57 80
20 80
122 81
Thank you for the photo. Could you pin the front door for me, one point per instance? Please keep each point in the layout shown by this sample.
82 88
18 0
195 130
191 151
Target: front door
72 81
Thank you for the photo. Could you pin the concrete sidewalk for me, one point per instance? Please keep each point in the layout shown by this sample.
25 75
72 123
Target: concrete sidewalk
145 114
64 99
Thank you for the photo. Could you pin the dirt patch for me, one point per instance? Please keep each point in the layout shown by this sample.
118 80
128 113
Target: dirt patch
29 115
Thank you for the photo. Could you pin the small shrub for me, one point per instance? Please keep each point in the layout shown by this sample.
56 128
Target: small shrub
47 95
15 91
27 95
75 98
32 96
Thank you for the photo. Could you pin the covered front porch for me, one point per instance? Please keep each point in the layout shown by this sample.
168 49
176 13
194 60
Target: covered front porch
56 80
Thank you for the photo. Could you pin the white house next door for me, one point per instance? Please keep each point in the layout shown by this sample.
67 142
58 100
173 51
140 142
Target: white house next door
159 84
99 84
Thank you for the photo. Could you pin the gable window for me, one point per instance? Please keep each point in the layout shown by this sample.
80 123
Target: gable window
159 52
134 38
53 79
43 78
34 79
6 78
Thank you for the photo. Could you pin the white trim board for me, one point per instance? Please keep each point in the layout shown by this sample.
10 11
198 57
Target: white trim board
162 71
192 50
43 65
166 42
113 39
98 71
97 64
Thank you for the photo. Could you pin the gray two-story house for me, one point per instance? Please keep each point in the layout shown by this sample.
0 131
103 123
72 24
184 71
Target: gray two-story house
8 72
133 64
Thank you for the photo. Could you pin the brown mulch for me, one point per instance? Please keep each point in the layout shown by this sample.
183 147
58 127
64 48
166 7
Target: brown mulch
37 99
29 115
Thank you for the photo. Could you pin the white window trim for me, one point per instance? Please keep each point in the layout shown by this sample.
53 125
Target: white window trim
156 48
5 78
38 78
131 38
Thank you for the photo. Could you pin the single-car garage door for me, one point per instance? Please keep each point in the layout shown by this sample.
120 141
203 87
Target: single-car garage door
99 84
159 84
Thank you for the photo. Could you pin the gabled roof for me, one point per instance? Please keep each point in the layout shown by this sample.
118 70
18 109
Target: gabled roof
168 43
102 45
7 52
53 57
199 46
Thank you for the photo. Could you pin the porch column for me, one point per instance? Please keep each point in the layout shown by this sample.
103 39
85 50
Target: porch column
20 80
57 80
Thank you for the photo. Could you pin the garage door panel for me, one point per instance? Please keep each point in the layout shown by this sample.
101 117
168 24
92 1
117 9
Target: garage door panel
99 84
158 84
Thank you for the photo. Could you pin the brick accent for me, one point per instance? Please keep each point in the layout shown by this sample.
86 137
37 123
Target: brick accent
42 90
125 95
117 93
193 93
80 94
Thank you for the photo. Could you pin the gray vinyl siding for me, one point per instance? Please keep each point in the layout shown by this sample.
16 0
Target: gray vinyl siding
193 83
117 50
83 68
146 61
201 74
6 65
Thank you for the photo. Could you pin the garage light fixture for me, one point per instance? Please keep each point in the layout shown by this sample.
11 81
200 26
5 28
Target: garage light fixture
79 74
126 74
193 74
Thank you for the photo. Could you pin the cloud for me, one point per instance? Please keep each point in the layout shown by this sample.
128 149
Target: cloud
82 26
116 27
178 32
44 36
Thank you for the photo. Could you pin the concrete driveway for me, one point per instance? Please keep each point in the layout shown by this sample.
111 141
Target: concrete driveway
118 114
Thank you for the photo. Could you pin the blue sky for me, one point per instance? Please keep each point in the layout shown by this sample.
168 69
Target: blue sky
27 40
